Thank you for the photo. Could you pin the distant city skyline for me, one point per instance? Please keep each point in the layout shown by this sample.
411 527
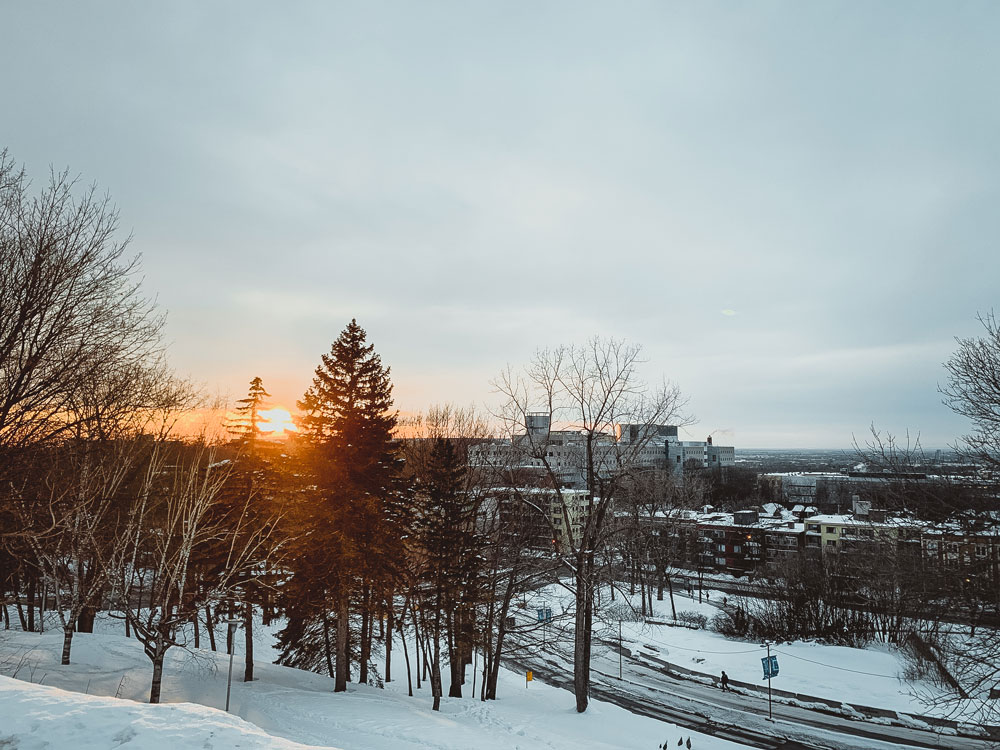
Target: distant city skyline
791 206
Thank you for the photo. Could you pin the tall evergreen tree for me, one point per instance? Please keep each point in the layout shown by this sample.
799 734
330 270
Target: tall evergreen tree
352 530
245 424
245 428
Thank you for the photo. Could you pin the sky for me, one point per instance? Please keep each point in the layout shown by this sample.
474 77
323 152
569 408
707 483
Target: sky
791 206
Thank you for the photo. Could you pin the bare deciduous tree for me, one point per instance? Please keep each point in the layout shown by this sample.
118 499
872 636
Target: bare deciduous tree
70 303
591 389
973 390
175 528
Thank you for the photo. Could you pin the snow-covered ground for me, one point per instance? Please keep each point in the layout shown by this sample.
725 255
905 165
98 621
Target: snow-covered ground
283 706
286 706
871 676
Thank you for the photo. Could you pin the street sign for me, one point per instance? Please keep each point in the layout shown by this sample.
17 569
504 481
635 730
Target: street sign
544 614
770 664
528 677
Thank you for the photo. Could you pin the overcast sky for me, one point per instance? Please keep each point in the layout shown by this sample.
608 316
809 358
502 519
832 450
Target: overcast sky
793 206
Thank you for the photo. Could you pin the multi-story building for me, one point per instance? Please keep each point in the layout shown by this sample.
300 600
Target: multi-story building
543 518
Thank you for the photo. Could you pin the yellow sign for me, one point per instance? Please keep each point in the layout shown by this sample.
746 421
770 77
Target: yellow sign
528 677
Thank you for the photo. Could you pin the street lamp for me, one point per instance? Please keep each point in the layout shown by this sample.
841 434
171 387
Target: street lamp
232 624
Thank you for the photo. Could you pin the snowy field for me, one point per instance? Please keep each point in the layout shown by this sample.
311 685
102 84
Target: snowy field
289 708
282 707
871 676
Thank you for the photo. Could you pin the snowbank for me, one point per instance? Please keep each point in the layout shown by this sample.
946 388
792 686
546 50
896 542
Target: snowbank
36 717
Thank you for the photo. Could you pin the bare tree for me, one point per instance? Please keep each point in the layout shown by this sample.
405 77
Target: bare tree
178 526
70 303
591 389
973 390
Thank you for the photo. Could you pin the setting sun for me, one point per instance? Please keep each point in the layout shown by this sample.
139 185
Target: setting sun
279 421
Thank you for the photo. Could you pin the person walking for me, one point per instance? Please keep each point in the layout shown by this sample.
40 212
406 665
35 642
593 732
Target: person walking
725 681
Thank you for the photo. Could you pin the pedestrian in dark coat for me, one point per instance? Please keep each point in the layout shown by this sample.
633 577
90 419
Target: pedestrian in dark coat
725 681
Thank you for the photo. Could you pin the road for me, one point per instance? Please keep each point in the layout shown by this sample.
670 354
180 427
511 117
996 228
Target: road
648 689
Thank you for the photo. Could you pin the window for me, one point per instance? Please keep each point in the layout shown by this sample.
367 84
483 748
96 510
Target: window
932 546
720 561
831 542
831 529
812 526
722 548
982 550
737 549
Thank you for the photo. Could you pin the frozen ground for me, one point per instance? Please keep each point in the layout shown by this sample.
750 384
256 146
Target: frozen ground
281 708
870 676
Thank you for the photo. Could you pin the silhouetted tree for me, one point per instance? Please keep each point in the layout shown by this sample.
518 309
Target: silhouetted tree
352 528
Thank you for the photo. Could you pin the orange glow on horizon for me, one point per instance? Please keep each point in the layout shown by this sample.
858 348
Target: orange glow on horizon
278 422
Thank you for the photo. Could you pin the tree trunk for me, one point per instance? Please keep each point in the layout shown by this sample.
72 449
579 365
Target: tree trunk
31 604
416 644
20 611
197 629
670 585
406 655
85 622
455 656
67 643
211 627
366 637
436 674
579 644
326 645
642 595
494 674
388 642
343 623
154 689
248 632
265 607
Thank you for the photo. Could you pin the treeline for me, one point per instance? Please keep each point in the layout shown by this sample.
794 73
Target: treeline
350 533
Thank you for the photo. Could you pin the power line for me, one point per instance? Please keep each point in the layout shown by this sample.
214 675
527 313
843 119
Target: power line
842 669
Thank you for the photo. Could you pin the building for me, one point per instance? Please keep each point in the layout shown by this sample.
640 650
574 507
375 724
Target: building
559 456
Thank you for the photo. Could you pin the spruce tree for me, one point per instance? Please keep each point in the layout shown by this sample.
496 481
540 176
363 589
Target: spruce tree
245 425
248 477
353 534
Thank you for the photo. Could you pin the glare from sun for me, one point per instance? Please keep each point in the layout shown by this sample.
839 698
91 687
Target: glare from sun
277 422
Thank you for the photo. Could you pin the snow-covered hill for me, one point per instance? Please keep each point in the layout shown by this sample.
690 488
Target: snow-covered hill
282 707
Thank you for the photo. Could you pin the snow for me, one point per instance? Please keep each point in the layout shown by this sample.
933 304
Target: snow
282 707
863 676
37 717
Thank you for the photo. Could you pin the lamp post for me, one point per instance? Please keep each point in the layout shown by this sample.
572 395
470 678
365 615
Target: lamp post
232 623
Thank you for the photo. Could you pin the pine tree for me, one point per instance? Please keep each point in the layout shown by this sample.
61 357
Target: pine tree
353 530
245 425
245 428
448 546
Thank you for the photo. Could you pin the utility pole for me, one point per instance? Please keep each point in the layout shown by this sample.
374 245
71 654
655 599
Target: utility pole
767 645
229 684
620 649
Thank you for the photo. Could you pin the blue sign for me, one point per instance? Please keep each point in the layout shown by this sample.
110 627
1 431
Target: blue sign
770 664
544 614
